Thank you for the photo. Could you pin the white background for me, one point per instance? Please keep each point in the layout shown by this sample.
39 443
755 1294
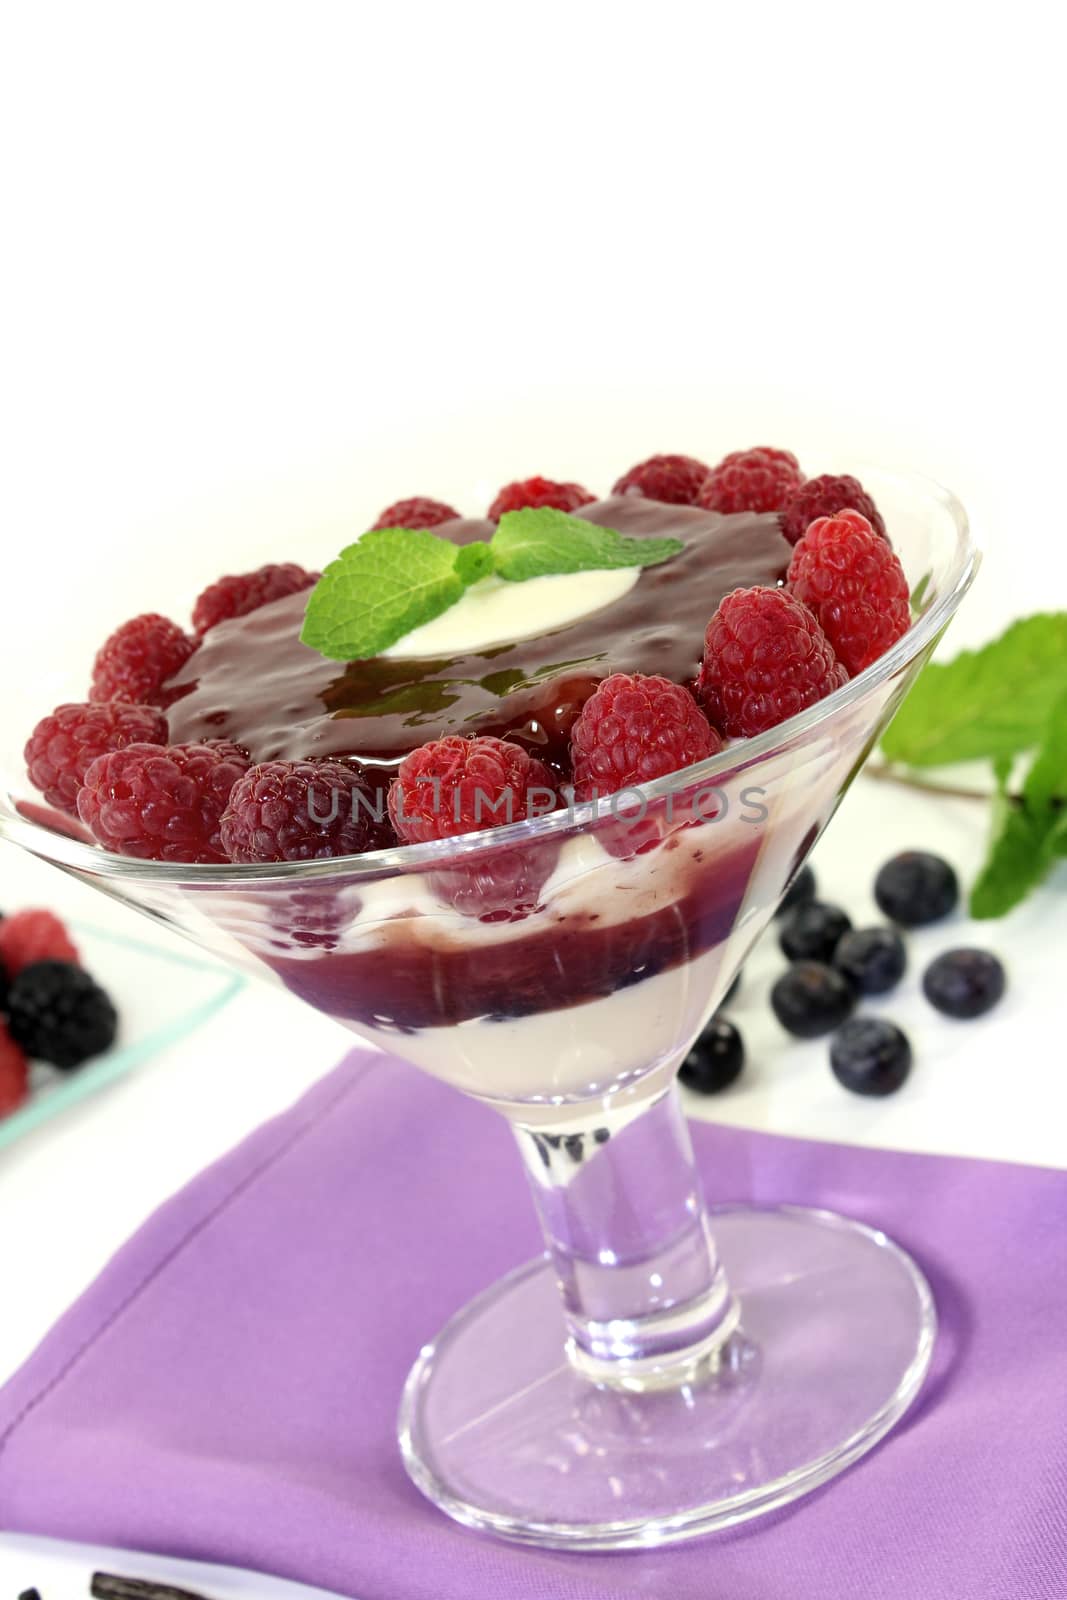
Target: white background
266 268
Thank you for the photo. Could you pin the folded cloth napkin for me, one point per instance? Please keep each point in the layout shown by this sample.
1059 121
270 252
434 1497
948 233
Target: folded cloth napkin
228 1388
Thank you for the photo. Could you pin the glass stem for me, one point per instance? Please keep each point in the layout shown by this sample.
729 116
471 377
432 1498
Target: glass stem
645 1298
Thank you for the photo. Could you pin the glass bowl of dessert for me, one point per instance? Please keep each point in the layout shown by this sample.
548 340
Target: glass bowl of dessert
522 835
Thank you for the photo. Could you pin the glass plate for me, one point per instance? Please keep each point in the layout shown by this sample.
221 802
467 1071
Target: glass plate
160 997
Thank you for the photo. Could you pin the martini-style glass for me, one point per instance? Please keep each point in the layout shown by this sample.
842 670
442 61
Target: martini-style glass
659 1372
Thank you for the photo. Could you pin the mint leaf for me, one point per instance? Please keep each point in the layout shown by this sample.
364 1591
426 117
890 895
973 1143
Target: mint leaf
378 589
1028 835
539 541
1003 767
474 561
1016 864
918 594
395 579
987 703
1046 782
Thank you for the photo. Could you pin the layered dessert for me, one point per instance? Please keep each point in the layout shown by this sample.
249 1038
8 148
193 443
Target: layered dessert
449 676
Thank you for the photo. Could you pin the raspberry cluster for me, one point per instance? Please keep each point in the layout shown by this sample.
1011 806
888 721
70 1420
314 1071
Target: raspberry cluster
768 654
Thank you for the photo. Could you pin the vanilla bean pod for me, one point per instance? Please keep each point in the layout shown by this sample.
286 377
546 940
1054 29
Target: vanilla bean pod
109 1586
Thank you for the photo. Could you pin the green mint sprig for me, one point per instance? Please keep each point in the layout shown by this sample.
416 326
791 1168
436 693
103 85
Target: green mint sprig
537 541
395 579
1006 704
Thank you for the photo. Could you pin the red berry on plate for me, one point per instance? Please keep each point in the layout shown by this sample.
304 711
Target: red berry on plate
418 512
34 935
825 497
160 802
635 729
63 745
14 1074
675 480
765 659
751 480
135 664
240 593
854 584
539 492
303 811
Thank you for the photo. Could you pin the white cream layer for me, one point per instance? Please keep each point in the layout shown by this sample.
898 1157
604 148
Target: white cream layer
493 612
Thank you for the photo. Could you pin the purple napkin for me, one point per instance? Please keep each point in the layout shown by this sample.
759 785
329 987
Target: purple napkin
228 1388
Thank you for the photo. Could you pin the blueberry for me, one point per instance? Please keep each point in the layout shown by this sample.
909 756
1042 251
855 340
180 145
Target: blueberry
801 892
870 1056
811 999
872 959
964 983
916 888
812 932
716 1059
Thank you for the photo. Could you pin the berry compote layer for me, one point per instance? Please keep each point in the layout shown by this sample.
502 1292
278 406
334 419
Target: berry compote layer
254 682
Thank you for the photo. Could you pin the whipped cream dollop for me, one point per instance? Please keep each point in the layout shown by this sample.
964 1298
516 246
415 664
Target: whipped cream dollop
493 611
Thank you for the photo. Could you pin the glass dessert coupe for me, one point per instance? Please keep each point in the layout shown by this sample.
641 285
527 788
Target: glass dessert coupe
660 1372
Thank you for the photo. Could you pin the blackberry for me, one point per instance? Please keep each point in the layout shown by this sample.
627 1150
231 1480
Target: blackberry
801 892
964 983
916 888
57 1013
812 933
812 999
716 1059
4 985
870 1056
872 959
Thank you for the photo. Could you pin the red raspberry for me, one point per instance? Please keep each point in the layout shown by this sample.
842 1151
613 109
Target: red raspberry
825 497
418 512
634 729
137 660
539 492
274 813
238 594
676 480
34 935
765 659
851 580
751 480
14 1074
455 785
62 747
160 802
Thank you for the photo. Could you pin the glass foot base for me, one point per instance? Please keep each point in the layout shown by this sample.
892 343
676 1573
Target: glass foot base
836 1333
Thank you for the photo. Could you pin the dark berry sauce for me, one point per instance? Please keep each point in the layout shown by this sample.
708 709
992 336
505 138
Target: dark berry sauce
254 682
